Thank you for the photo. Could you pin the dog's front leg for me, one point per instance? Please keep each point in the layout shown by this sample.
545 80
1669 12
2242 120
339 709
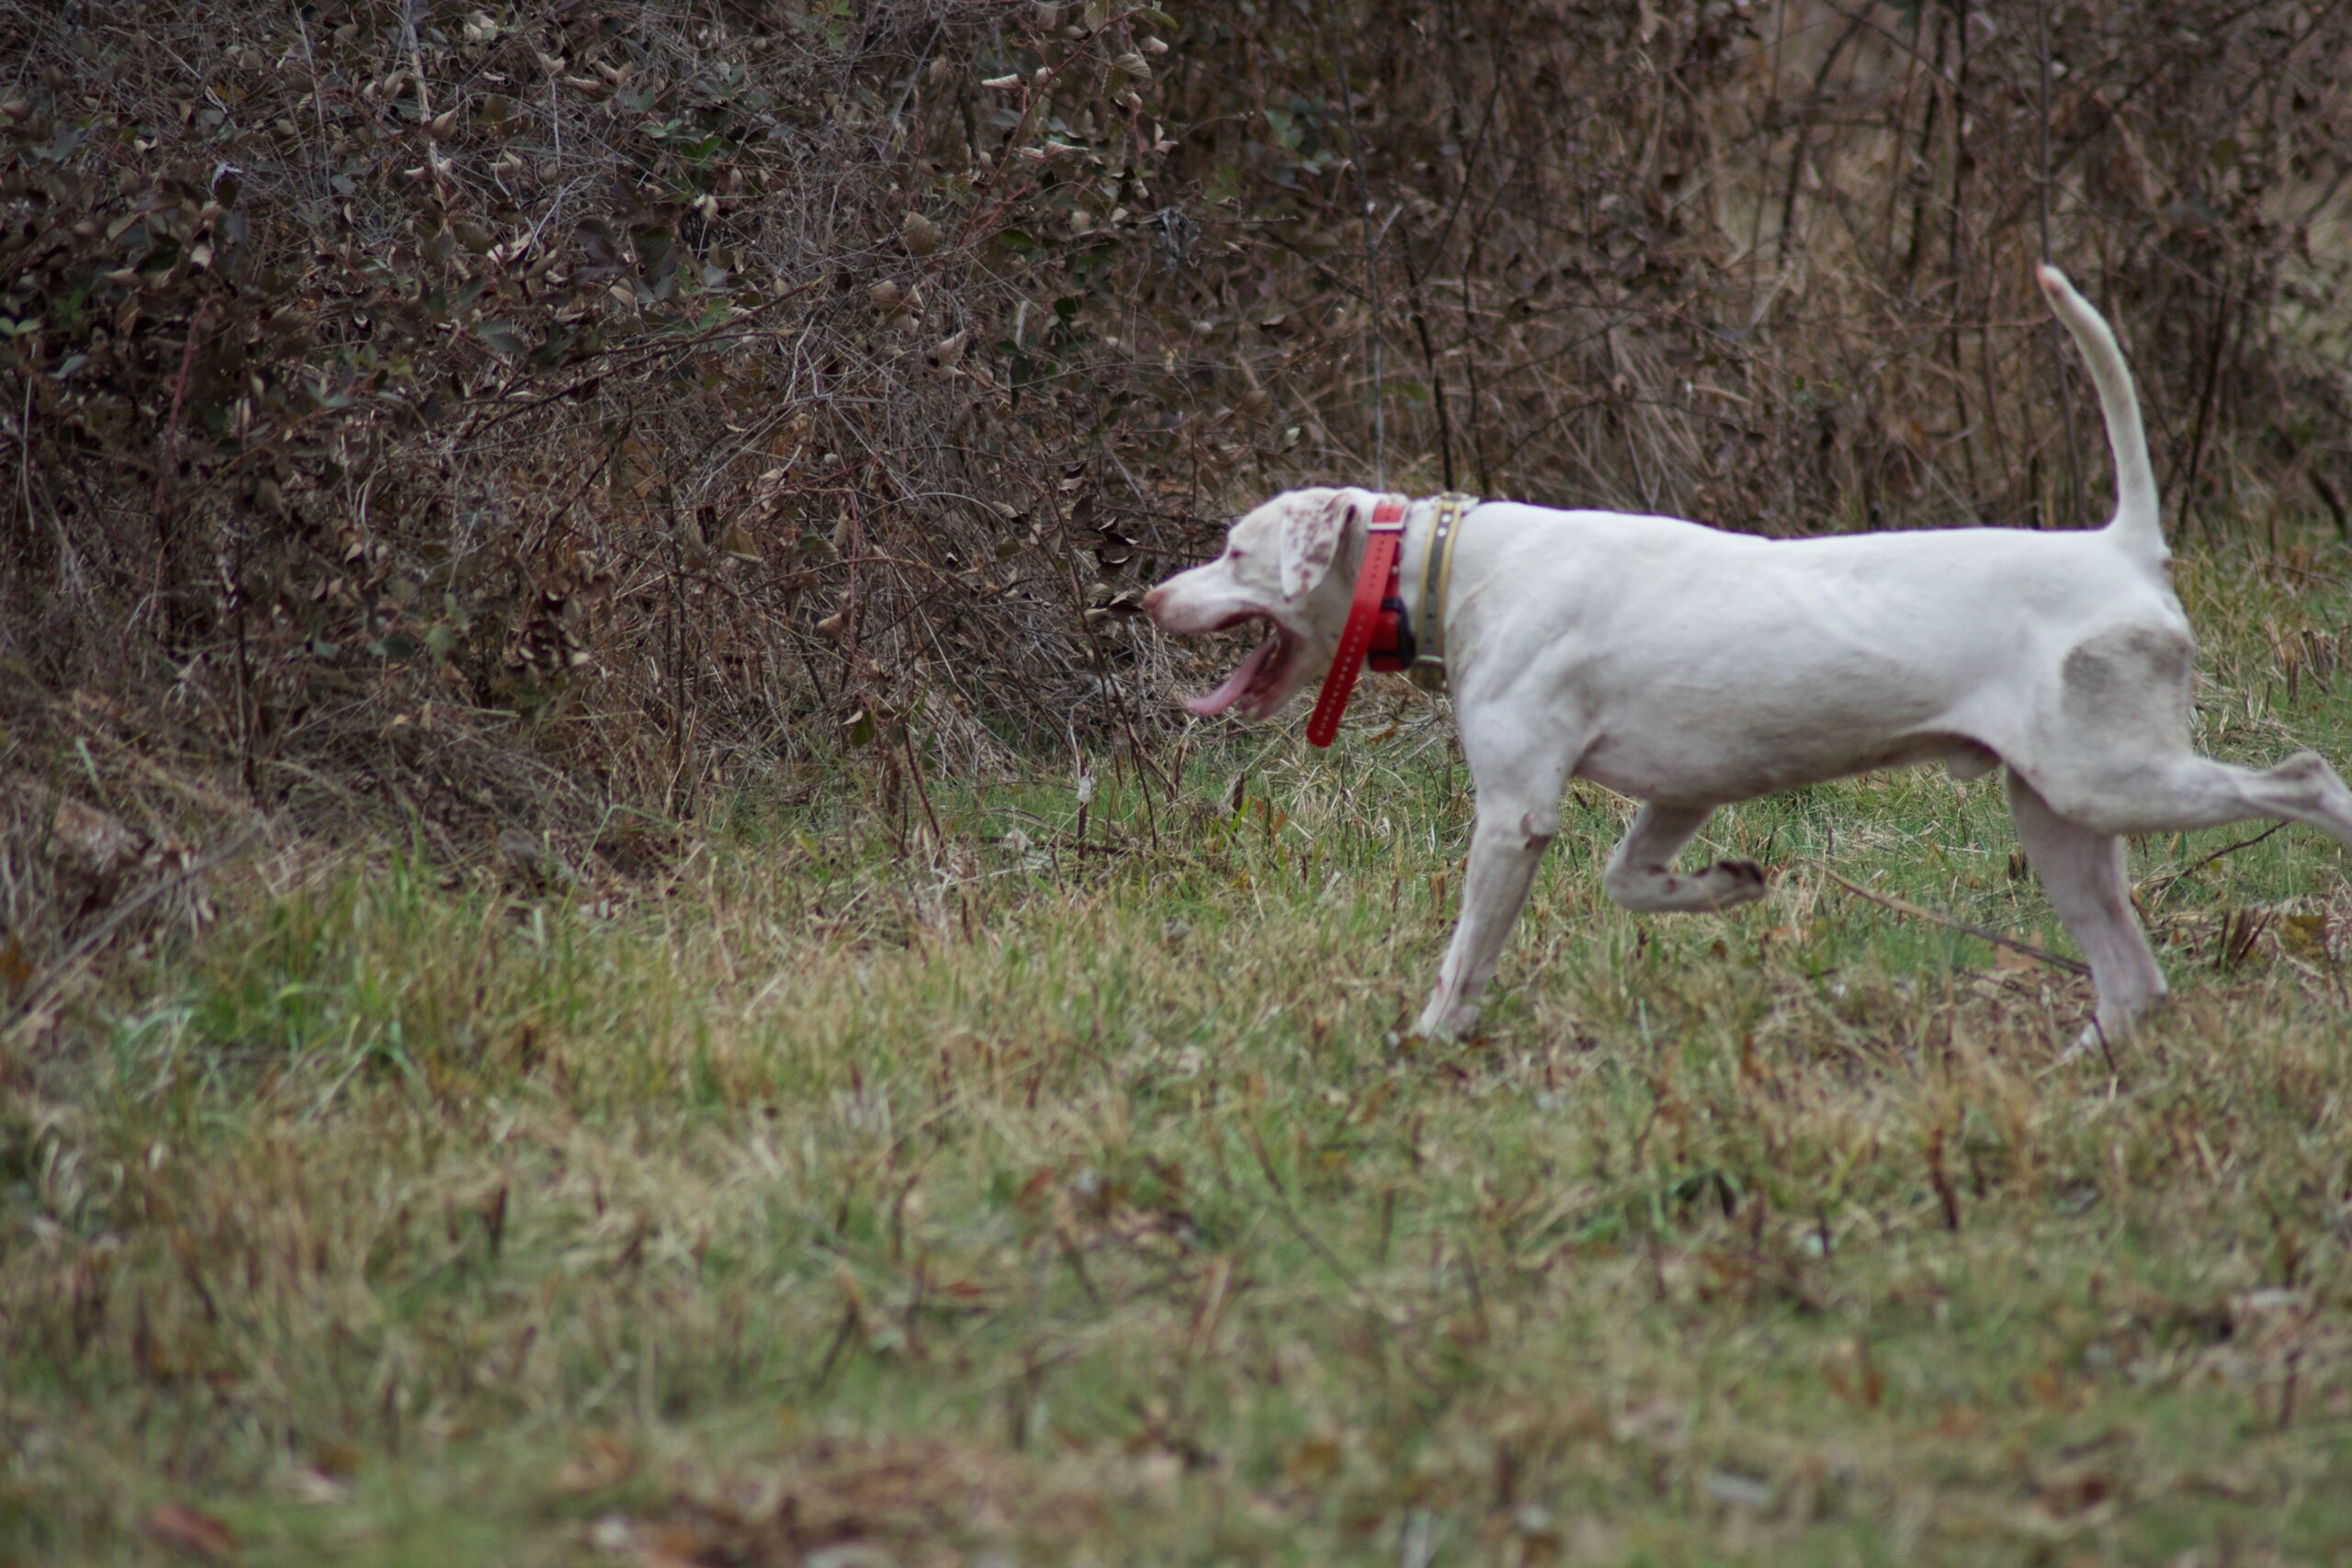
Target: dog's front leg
1505 850
1641 875
1518 779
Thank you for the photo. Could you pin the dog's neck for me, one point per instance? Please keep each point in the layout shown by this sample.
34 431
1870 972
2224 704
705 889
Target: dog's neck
1420 557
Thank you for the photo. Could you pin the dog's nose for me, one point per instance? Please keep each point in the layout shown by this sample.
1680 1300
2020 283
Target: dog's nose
1151 601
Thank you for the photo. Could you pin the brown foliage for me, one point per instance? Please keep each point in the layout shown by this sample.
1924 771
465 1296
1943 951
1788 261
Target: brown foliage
505 414
406 385
1767 264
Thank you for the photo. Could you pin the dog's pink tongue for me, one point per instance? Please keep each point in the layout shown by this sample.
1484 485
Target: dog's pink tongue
1225 696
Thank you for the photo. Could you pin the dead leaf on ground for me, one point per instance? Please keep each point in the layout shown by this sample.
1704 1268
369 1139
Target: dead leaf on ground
191 1530
671 1546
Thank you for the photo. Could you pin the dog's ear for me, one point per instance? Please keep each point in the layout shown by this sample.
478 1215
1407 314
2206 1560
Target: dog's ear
1312 534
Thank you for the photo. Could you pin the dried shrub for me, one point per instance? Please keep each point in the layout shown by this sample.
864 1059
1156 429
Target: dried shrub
478 409
498 416
1768 266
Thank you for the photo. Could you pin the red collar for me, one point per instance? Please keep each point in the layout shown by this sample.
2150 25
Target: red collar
1376 623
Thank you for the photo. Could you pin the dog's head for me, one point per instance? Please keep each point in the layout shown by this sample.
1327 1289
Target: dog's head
1290 564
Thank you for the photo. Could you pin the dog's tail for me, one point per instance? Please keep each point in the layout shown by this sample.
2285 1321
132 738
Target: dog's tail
2138 524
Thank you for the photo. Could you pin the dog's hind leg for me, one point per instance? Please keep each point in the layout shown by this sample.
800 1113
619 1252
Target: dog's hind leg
2114 754
2182 791
1520 777
1640 874
2084 872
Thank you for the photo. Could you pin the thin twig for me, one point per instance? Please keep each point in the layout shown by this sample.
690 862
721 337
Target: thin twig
2190 869
164 453
1428 361
416 63
938 839
502 405
1804 134
1314 1244
1905 907
907 93
1371 254
1934 67
2057 334
318 104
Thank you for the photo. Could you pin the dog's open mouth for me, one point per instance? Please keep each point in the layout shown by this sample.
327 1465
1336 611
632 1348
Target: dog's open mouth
1259 679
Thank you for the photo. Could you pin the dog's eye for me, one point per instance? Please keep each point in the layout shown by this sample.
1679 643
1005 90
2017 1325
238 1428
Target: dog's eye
1234 554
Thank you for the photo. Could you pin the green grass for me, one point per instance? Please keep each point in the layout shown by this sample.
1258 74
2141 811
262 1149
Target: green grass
1033 1193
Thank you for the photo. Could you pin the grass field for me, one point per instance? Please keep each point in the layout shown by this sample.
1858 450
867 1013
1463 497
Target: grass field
1056 1185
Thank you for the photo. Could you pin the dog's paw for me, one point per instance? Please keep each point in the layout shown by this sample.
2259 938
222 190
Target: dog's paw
1741 880
1442 1024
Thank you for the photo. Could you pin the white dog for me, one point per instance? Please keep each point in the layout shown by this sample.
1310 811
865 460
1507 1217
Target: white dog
1689 668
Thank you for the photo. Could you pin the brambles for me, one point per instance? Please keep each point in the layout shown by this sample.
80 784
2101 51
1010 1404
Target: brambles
491 418
499 416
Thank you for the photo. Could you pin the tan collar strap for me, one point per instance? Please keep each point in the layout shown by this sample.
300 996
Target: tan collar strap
1437 573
